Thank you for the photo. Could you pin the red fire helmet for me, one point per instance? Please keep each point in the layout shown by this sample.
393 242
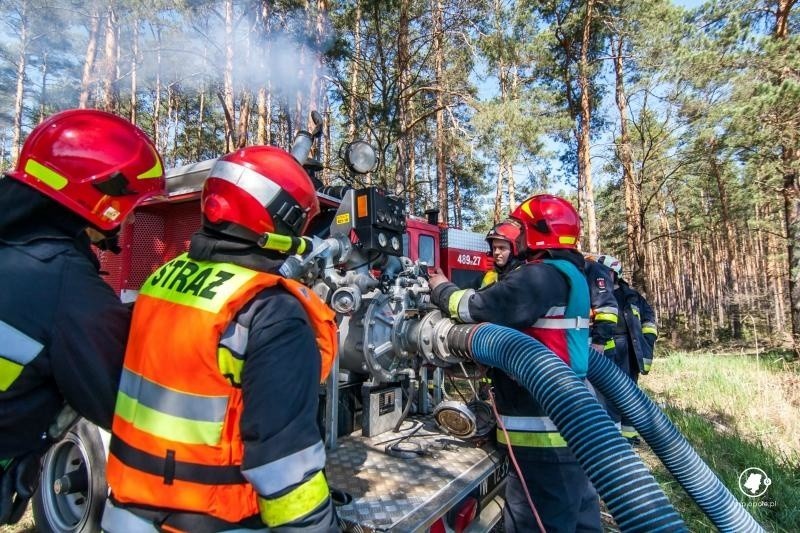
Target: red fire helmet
509 231
549 222
94 163
258 189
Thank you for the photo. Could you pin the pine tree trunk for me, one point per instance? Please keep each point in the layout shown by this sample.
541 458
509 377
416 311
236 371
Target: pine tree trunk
585 186
43 91
19 97
403 86
730 264
89 58
261 128
441 170
791 192
134 62
228 101
634 221
157 99
351 107
109 94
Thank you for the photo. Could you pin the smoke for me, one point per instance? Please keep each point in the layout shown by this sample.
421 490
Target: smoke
193 55
185 48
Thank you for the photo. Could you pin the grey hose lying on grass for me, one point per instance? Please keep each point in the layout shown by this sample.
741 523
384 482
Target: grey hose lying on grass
632 495
716 501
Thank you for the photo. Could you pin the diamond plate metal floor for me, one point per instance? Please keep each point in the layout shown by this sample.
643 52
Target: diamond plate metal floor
407 493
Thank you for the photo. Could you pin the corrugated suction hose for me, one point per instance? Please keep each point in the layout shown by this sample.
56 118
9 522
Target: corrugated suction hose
632 495
704 487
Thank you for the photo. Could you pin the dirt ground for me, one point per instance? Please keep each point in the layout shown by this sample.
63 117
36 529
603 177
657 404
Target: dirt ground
23 526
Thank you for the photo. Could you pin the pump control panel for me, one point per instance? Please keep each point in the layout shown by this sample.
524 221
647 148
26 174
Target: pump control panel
380 221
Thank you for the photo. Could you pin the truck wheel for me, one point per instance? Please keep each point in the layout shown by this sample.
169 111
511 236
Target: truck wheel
72 489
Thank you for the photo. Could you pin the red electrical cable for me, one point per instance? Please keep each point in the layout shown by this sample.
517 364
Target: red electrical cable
516 465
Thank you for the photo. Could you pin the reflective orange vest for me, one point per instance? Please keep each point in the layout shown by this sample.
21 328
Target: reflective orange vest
175 436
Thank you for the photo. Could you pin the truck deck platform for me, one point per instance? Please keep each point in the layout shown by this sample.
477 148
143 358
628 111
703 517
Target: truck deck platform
408 489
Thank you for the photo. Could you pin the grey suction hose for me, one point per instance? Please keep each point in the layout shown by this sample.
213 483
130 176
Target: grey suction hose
625 484
675 452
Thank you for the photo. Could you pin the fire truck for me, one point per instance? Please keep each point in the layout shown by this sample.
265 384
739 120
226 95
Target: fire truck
404 452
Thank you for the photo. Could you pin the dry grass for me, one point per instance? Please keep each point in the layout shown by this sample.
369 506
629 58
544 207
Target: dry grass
737 411
754 398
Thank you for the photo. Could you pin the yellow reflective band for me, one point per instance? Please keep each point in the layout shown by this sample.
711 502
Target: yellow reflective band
155 172
606 317
45 175
489 278
452 303
295 504
546 439
283 243
649 329
9 372
629 433
166 426
609 345
566 239
230 366
636 313
199 284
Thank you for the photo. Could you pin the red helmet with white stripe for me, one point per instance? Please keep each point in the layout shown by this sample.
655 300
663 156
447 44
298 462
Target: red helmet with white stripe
97 165
258 189
549 222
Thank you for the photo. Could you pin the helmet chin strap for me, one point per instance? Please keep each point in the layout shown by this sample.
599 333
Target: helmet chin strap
107 242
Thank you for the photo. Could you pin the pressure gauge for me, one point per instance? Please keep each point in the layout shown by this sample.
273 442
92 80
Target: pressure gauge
395 244
382 239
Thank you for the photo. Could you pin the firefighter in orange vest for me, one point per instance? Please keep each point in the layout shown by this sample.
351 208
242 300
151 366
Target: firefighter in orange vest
546 297
62 328
635 335
215 424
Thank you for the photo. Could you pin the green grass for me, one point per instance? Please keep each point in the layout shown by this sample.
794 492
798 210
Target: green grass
737 412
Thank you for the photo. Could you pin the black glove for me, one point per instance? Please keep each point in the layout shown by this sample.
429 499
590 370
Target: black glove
18 483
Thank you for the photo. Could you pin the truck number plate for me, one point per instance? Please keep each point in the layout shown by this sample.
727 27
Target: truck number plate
498 474
468 259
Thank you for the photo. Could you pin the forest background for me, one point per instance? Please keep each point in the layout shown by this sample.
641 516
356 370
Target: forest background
674 129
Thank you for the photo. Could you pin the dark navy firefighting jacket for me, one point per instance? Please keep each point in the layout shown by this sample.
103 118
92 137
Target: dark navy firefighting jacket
62 328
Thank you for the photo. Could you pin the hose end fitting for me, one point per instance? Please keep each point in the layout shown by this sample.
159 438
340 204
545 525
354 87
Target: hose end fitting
459 340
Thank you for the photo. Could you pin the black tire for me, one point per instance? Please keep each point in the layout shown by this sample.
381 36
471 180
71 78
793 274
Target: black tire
79 505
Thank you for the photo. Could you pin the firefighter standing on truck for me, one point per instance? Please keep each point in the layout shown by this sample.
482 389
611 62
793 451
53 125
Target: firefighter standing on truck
635 335
215 424
62 328
546 297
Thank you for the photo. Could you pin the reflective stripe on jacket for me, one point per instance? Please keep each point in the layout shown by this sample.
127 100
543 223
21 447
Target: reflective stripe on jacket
638 324
604 309
565 330
176 441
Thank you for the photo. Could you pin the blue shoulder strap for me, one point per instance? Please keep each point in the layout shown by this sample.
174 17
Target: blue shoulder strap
578 305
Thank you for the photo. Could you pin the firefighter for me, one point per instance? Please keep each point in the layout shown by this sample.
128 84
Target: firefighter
215 423
635 336
604 316
503 249
62 328
547 298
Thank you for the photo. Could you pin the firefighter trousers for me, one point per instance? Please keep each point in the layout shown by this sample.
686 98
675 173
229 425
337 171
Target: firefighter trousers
563 496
